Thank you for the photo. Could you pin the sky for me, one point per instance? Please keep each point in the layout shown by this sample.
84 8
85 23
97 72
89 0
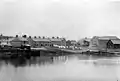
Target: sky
72 19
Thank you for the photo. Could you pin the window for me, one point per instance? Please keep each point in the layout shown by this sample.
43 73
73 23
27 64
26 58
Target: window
24 42
41 44
94 42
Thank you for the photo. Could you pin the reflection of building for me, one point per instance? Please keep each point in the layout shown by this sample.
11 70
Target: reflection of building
100 43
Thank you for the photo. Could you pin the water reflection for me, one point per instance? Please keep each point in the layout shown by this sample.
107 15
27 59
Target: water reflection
47 60
61 68
42 60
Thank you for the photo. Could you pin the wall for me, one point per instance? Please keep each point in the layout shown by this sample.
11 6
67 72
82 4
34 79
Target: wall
94 44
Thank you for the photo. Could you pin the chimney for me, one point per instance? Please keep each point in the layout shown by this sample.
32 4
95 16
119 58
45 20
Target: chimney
43 37
53 37
39 37
29 36
24 36
57 37
1 35
35 37
16 36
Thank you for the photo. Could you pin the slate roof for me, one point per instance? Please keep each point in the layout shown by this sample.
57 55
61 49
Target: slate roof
107 37
55 39
41 39
117 41
84 39
2 37
18 39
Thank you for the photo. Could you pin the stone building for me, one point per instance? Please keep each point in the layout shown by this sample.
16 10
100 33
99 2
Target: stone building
99 43
58 41
39 42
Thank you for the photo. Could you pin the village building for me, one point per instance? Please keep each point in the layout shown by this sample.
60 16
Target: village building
84 42
68 43
113 45
58 41
39 42
5 40
100 43
2 37
18 41
71 44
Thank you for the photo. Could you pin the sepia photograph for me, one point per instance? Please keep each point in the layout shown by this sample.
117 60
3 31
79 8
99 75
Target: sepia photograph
59 40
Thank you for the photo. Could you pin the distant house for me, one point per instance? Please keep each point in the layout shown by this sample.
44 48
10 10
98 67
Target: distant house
42 42
2 37
4 43
58 41
84 41
71 43
113 45
39 42
5 40
100 43
18 41
68 43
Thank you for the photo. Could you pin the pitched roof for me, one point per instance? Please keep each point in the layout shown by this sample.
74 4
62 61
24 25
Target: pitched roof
10 39
107 37
88 39
117 41
41 39
19 39
56 39
84 39
6 37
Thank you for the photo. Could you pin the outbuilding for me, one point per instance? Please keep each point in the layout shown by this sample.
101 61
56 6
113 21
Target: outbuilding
100 43
113 45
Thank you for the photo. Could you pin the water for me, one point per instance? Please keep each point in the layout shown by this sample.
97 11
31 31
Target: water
61 68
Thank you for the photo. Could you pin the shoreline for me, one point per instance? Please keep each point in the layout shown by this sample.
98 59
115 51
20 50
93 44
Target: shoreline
27 53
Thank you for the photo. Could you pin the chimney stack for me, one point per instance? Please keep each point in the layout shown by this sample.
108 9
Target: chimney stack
29 36
16 36
35 37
